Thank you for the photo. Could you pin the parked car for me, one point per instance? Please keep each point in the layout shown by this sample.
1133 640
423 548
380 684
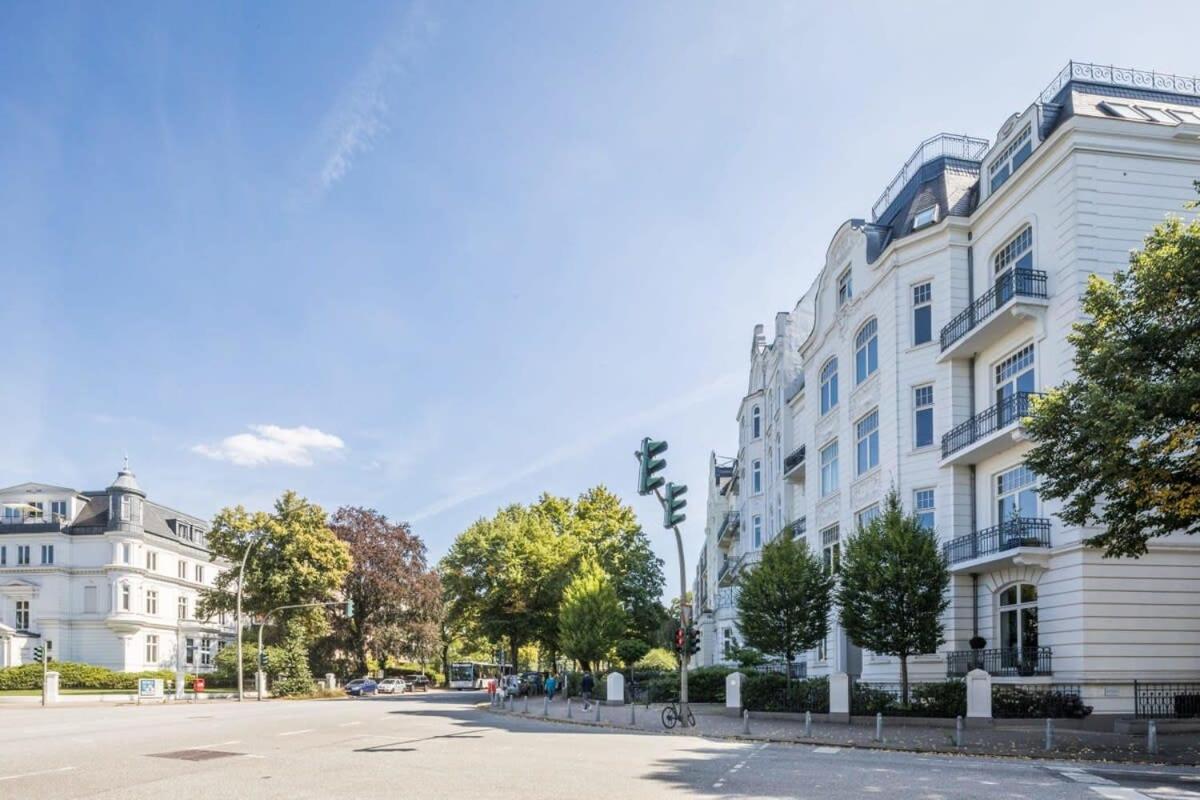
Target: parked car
416 683
361 687
530 683
393 686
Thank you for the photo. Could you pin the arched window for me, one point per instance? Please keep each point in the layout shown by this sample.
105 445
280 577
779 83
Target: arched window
866 351
1018 624
756 422
829 388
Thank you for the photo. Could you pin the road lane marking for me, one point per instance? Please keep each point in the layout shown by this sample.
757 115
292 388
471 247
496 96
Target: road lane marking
827 749
1080 776
215 744
1119 793
32 774
296 733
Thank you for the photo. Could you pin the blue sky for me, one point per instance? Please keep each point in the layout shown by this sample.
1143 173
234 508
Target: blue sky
436 258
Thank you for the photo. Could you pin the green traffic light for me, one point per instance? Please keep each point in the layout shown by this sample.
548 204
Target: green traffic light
673 504
649 465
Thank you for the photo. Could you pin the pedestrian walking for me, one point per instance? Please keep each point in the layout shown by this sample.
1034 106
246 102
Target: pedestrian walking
586 686
551 685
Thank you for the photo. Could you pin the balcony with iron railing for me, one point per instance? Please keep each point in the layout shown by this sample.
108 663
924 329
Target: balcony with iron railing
793 465
725 572
987 433
1017 291
725 598
999 542
1003 662
727 532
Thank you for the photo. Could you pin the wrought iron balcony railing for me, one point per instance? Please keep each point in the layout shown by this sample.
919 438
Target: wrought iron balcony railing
726 566
985 423
729 526
793 460
1010 534
1014 283
1008 661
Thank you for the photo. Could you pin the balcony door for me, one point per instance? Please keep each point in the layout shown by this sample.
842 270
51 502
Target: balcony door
1010 263
1019 627
1015 376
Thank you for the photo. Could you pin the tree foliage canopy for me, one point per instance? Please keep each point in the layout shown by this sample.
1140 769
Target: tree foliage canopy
892 587
783 605
1120 442
591 619
296 559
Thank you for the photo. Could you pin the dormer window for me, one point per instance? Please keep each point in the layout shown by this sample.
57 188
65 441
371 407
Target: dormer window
1158 115
125 508
1011 158
1123 111
924 218
1186 117
845 289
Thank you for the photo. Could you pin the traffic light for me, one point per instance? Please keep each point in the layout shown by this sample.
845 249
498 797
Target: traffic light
673 504
263 660
349 609
649 465
39 654
680 639
693 641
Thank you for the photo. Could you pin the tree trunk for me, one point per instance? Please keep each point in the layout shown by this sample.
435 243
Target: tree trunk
904 679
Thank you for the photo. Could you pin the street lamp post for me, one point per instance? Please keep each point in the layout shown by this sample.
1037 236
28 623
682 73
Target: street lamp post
241 580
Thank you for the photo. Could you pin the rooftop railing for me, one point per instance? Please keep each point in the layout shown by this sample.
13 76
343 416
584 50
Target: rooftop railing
949 145
1119 76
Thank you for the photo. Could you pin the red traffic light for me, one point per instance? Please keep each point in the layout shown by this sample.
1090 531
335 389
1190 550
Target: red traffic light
679 634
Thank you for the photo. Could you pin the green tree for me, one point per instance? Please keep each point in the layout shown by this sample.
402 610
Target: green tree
892 587
505 576
296 559
293 676
783 602
591 619
1120 442
631 651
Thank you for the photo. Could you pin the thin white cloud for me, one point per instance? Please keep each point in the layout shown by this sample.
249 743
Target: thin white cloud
272 444
360 115
580 447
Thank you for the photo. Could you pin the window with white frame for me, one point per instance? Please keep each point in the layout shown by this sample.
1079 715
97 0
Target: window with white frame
22 555
868 515
829 468
22 619
181 569
1015 378
831 549
183 607
126 597
1011 158
1018 609
923 416
845 289
125 508
189 651
1013 266
47 554
756 527
38 511
756 423
152 602
922 313
756 476
866 351
127 553
924 506
89 600
925 217
199 573
152 560
829 386
58 508
151 648
1016 494
728 645
867 438
205 652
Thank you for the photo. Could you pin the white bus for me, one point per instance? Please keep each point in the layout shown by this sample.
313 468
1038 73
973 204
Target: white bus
474 674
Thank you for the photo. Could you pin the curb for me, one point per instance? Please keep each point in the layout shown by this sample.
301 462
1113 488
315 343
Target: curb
959 753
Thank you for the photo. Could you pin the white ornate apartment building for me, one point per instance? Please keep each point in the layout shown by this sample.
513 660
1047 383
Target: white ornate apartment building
104 577
909 363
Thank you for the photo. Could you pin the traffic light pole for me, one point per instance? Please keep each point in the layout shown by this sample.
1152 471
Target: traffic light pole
263 623
45 669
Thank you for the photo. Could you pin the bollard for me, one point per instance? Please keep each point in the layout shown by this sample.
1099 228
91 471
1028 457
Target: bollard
1049 733
879 726
746 722
633 713
597 711
525 708
545 705
958 731
808 723
1152 737
568 708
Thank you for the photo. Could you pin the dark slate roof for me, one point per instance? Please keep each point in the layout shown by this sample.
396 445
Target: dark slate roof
94 513
949 183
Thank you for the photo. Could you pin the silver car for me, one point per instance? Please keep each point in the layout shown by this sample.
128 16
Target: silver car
392 686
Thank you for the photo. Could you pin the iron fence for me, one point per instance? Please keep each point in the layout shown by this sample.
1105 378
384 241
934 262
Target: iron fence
1014 283
925 699
1038 701
793 460
1153 699
1006 661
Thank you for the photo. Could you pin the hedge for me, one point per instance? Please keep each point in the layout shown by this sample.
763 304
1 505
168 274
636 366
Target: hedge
1030 702
941 699
83 676
768 691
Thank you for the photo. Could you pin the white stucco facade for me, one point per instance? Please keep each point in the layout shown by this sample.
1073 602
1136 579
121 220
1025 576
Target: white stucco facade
104 577
937 318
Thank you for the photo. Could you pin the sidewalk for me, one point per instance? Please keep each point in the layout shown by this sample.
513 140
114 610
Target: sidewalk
1018 741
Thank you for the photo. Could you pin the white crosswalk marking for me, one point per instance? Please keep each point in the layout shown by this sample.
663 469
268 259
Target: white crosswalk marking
1080 776
1119 793
827 749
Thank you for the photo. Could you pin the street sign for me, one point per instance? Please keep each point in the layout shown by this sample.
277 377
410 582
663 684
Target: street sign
150 688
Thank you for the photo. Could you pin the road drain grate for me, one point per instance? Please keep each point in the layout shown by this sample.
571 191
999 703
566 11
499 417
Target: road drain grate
194 755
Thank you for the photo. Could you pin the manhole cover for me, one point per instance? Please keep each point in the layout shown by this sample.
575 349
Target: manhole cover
194 755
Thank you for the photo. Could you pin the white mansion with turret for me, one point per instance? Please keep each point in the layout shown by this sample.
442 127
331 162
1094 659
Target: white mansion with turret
909 363
104 577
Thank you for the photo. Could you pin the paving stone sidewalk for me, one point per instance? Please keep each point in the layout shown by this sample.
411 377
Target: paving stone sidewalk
1020 741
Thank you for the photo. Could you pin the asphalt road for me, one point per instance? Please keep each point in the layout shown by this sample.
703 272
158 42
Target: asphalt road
438 745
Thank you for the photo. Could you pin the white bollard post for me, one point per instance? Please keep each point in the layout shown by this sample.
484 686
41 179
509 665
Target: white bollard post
958 731
746 721
597 711
1049 733
879 726
545 705
808 723
525 708
568 708
1152 737
633 713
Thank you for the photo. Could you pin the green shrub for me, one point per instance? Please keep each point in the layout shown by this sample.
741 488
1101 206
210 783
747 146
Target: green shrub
658 658
707 684
940 699
768 691
89 676
1031 702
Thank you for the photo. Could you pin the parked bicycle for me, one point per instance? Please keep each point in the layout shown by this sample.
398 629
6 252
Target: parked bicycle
671 715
